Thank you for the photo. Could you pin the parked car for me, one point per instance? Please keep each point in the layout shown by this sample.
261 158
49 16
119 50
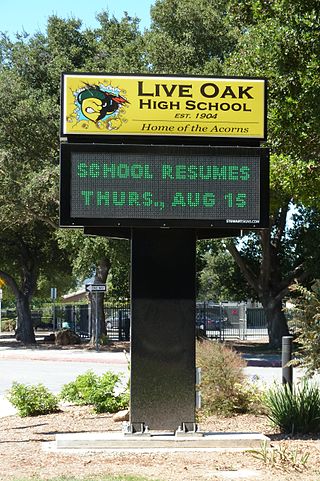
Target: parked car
209 323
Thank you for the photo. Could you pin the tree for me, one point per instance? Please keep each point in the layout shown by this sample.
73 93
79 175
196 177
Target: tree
283 256
195 36
280 41
96 257
26 253
30 73
219 276
28 194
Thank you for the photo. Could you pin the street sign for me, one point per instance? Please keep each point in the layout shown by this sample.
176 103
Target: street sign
53 293
95 288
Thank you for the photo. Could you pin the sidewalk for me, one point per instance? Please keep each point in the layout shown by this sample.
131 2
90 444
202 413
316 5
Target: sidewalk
63 355
11 349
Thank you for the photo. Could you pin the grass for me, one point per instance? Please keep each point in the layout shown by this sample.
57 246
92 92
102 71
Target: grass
282 457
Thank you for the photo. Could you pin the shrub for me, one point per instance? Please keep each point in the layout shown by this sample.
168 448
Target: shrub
296 410
306 324
99 391
32 400
224 388
79 391
104 398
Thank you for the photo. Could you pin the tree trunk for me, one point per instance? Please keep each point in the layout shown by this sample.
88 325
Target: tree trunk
267 281
97 300
276 321
23 294
24 331
97 313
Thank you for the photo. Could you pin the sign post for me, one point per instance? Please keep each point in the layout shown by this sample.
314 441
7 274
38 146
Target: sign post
53 295
162 377
178 158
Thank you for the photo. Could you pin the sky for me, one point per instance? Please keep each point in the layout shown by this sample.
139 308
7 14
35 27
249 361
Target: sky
31 15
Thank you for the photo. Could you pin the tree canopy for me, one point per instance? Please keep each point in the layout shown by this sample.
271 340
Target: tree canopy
30 72
276 39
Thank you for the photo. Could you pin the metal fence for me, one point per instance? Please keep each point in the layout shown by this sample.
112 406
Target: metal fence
230 321
216 321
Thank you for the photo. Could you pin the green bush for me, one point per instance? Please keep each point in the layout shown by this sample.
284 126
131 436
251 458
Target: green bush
32 400
224 388
104 398
306 325
98 391
296 410
79 391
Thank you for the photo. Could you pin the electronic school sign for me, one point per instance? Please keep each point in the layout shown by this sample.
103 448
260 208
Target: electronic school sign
108 105
163 186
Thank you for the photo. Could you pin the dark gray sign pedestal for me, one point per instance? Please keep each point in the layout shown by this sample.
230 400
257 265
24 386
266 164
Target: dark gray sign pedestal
162 330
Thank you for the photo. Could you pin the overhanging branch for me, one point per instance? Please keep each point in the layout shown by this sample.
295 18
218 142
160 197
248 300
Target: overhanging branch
248 273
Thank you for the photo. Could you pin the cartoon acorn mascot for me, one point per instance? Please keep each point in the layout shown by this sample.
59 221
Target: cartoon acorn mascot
97 104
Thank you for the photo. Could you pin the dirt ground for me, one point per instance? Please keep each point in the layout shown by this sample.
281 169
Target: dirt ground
22 454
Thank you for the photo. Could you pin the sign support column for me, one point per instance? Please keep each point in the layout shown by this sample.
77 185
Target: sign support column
163 329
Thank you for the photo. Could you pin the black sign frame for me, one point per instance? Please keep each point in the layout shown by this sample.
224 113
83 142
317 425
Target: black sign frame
66 220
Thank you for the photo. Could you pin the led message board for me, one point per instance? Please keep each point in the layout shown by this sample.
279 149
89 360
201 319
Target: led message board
109 105
165 186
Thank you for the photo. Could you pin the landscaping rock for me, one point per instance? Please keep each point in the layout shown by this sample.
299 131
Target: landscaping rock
65 337
121 416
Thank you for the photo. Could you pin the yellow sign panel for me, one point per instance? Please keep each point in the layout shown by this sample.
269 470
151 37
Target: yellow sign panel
156 105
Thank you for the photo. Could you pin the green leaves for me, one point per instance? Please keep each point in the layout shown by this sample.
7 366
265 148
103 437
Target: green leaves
294 179
281 42
32 400
306 323
98 391
195 36
294 411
